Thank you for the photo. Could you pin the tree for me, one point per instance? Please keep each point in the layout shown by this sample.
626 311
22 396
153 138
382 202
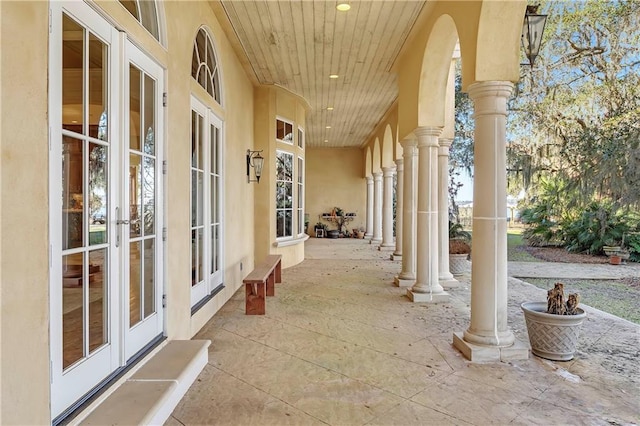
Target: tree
576 114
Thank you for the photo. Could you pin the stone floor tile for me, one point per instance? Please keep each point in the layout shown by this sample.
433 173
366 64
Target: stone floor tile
473 402
410 413
218 398
341 345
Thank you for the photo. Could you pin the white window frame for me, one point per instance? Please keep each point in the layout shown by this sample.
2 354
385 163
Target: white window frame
300 196
285 209
301 138
285 123
212 280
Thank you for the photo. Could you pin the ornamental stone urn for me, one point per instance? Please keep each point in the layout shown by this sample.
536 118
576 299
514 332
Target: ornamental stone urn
554 336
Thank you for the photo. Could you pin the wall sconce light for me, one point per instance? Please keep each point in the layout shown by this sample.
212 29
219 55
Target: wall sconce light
532 29
255 160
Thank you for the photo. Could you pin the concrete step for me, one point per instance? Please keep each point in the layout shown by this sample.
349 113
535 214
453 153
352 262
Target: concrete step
149 396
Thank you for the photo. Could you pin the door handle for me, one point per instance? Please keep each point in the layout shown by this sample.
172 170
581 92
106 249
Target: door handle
122 222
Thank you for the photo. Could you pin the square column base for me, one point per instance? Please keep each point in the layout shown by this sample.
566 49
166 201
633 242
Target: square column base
386 247
375 241
478 353
428 297
449 283
399 282
395 256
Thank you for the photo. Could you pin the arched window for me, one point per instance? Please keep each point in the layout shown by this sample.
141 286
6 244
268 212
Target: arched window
146 13
204 66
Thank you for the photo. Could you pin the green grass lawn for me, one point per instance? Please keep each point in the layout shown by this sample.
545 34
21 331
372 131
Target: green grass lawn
607 295
514 242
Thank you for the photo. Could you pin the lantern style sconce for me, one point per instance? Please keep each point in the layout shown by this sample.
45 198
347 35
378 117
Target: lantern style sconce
255 160
532 29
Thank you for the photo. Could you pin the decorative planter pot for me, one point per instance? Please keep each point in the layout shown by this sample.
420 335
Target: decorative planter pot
615 259
611 250
334 233
553 337
458 263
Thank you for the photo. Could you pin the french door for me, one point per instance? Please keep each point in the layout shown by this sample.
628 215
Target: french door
106 125
206 202
141 201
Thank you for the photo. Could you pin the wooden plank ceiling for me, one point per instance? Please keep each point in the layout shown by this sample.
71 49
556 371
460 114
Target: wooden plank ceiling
297 44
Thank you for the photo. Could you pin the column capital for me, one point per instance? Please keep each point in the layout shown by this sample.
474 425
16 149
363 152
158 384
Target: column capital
399 164
445 142
427 131
428 135
369 179
388 171
485 93
377 175
408 142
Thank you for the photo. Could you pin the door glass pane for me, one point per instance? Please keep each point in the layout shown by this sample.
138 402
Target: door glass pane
195 135
194 257
148 195
98 300
135 195
135 283
72 193
134 107
200 262
200 212
98 221
149 276
149 115
214 150
194 197
72 309
98 89
214 198
200 141
72 75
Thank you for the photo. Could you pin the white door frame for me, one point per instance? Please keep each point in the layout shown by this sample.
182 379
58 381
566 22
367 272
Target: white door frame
68 386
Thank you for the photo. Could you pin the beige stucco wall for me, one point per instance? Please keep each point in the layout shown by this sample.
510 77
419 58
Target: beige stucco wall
24 180
334 179
272 102
24 195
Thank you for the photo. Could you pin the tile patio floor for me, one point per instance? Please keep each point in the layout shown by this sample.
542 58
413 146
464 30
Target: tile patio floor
341 345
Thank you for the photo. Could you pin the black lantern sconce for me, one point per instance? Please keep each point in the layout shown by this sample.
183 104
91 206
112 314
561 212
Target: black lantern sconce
255 160
532 29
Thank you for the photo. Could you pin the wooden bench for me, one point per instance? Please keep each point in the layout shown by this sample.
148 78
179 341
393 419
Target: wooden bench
260 282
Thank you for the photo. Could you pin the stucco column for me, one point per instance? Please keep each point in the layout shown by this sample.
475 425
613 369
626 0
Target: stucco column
427 287
407 277
399 207
369 231
377 208
387 209
488 337
446 278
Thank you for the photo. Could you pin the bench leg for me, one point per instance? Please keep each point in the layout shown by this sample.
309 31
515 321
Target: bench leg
254 303
271 286
279 272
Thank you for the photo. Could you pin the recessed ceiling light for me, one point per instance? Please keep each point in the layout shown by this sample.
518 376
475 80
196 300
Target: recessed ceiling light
326 140
333 76
329 108
343 6
328 127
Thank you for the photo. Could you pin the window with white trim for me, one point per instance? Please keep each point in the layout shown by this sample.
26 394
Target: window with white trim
284 131
204 66
206 202
300 197
284 194
300 138
146 13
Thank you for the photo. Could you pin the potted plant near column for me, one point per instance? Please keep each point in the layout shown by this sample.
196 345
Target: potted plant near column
459 248
554 326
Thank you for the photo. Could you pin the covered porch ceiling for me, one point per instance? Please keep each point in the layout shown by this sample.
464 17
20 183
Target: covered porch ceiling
299 44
